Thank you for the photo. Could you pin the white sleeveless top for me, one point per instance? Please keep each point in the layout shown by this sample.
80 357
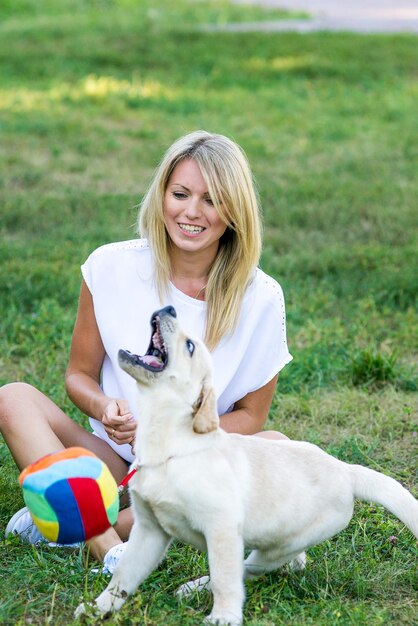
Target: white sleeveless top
120 279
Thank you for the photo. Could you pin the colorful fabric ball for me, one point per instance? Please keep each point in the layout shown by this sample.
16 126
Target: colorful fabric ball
71 495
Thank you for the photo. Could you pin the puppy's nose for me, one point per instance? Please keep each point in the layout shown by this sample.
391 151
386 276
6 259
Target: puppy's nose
168 310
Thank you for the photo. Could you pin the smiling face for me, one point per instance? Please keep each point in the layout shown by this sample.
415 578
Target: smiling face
191 219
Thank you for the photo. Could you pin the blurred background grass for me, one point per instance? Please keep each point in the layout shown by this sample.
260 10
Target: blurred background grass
91 94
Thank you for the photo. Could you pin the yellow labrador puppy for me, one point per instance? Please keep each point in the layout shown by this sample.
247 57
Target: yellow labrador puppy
222 492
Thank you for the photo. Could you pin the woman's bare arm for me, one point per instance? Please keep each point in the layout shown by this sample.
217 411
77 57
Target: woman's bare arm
83 375
250 413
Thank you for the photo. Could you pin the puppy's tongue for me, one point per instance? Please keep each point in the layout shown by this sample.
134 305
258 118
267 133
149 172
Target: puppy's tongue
150 360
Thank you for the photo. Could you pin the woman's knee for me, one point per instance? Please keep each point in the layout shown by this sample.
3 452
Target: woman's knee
272 434
12 396
10 393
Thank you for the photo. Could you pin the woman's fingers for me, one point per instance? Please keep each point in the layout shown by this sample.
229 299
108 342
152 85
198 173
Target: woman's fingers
118 421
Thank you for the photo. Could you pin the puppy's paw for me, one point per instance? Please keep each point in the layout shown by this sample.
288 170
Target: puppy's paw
226 619
199 584
110 600
103 606
299 563
85 610
80 610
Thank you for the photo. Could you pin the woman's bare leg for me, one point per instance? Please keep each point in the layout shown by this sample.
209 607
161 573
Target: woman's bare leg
271 434
32 426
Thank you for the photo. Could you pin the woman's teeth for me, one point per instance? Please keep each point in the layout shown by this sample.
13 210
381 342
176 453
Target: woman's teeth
191 229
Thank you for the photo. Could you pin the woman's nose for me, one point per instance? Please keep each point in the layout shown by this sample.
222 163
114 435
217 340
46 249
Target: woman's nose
193 208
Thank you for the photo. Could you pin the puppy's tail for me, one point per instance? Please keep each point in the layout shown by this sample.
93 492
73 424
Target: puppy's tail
376 487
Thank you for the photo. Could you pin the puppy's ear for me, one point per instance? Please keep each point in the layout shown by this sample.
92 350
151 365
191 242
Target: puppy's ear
205 417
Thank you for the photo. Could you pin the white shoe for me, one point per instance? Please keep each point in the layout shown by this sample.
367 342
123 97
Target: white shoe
110 560
22 524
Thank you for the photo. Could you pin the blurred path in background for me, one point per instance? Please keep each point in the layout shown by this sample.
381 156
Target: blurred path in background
363 16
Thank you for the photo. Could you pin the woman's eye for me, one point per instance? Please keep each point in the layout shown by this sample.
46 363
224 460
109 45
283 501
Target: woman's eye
209 201
190 346
179 195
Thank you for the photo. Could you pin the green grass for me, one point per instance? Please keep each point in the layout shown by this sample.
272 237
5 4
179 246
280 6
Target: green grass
91 93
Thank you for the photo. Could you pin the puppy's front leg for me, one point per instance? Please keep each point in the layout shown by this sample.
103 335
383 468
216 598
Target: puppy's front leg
146 547
225 552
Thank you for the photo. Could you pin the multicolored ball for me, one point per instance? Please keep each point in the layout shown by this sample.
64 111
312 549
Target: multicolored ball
71 495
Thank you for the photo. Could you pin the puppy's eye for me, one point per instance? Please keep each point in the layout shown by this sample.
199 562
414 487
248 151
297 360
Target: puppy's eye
190 346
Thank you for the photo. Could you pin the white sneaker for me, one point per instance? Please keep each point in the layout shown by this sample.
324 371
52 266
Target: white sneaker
23 525
110 560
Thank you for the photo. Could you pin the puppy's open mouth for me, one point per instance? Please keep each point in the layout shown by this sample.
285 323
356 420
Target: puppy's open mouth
156 357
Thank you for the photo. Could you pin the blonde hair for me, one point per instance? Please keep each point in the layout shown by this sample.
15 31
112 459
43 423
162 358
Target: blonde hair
227 174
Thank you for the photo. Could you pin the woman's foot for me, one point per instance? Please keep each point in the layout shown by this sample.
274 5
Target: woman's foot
22 525
110 559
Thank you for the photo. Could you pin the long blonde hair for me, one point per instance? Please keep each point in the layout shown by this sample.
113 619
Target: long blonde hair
227 174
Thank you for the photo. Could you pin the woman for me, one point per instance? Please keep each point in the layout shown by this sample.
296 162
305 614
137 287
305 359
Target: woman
201 221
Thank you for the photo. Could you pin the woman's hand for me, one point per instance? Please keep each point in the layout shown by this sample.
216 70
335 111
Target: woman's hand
118 421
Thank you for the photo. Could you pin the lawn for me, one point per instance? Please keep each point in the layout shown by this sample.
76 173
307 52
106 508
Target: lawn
91 94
